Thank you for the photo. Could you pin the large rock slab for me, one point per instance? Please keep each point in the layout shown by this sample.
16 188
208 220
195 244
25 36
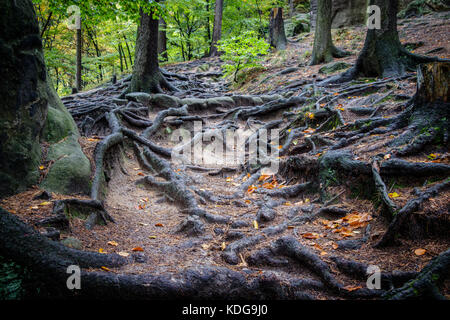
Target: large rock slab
30 112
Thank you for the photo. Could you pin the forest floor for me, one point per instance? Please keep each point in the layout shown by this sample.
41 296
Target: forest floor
146 220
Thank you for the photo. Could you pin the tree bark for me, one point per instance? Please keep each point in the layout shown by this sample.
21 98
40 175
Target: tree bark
78 84
324 49
217 30
162 40
146 74
277 35
383 55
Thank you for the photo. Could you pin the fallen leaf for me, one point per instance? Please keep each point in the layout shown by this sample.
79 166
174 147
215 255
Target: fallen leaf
352 288
101 250
152 237
137 249
311 235
255 224
159 225
420 252
123 254
223 246
46 203
105 269
393 195
113 243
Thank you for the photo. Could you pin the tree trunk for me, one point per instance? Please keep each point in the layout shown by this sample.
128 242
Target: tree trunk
146 74
79 85
383 55
217 30
208 28
277 35
120 58
128 50
162 40
291 8
324 49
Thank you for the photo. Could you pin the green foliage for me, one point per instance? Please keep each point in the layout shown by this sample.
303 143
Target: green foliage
109 33
241 52
11 276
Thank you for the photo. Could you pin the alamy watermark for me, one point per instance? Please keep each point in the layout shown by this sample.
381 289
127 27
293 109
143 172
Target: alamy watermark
74 20
374 280
374 17
74 280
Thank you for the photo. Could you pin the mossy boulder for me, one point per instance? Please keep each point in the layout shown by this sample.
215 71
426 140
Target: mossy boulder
164 101
194 103
220 102
70 173
73 243
31 112
23 110
334 67
298 24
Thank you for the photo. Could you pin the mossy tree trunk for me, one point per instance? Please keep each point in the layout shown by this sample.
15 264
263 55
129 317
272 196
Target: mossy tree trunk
324 49
383 55
277 34
146 74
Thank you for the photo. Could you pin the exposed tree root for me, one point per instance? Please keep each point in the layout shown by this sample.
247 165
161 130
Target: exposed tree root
412 206
389 280
426 284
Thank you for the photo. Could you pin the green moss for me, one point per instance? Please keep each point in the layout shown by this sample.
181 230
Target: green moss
71 170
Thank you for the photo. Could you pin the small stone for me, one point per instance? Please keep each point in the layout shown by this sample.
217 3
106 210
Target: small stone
73 243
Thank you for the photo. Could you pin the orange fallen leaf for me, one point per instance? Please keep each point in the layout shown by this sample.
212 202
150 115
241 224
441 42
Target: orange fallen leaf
137 249
311 235
420 252
352 288
159 225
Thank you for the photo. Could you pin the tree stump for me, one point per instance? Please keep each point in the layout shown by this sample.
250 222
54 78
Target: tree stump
433 82
277 35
